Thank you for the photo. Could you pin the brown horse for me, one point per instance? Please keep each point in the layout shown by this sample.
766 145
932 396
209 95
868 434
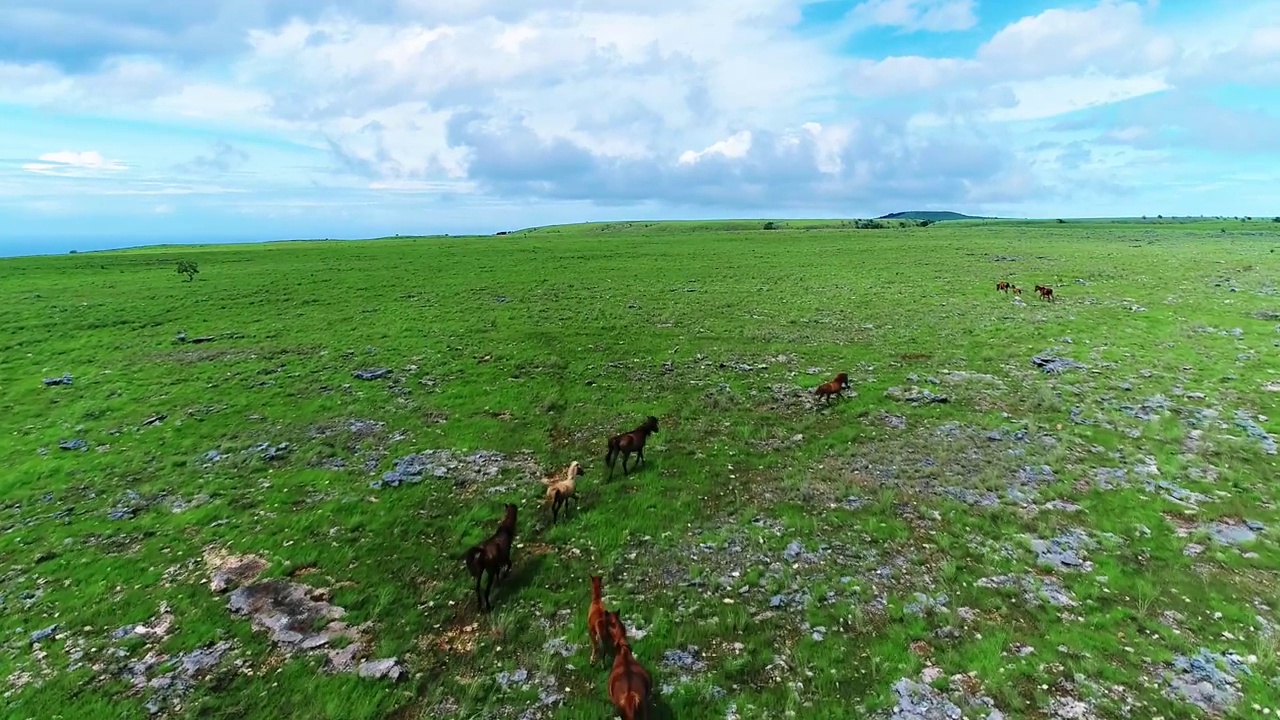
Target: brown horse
629 683
834 387
1017 290
597 620
1002 286
628 443
491 556
1046 293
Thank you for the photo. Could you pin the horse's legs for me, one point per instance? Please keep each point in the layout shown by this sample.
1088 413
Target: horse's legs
479 600
625 457
488 587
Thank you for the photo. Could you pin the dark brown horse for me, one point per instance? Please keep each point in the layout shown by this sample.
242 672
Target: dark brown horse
628 443
1017 290
1046 292
835 387
629 683
1003 286
492 556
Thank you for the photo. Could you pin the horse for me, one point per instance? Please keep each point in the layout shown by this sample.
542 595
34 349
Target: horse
491 556
629 683
1046 293
597 620
1017 290
1002 286
560 490
628 443
834 387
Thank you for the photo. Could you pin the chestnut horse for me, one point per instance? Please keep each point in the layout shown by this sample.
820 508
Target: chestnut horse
1002 286
629 683
628 443
834 387
597 620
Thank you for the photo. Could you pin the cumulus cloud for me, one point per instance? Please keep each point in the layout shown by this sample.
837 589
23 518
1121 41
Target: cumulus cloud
73 163
911 15
711 103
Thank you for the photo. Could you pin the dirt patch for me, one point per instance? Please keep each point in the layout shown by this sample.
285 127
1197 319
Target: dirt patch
227 571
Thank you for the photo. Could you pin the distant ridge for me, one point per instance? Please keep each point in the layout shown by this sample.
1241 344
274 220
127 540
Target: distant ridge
934 215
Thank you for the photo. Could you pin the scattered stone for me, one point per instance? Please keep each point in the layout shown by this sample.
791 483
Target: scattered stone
1207 680
896 422
563 648
1035 590
686 659
915 395
40 636
66 379
388 668
925 605
371 374
479 466
213 456
271 452
1053 364
1064 551
297 623
1193 549
1231 532
1150 409
1246 423
76 444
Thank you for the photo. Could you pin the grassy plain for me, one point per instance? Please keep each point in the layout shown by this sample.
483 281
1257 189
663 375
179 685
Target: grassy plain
787 544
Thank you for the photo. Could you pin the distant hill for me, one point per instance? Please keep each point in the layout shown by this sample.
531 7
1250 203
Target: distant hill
934 215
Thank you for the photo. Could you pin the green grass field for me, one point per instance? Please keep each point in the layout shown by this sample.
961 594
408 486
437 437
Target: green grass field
1048 545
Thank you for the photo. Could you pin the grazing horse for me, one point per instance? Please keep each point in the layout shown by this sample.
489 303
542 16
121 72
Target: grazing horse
491 556
630 442
560 490
1017 290
1046 293
597 620
834 387
1002 286
629 683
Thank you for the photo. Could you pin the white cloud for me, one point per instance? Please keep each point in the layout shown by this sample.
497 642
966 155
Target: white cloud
733 147
73 163
626 101
911 15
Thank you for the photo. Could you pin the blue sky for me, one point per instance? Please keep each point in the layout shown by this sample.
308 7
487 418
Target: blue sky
126 122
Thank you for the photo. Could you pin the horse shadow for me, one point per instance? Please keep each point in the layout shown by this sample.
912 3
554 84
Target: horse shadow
523 571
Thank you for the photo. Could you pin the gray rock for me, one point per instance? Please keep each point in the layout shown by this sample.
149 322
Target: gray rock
1054 365
1230 533
66 379
371 373
378 669
42 635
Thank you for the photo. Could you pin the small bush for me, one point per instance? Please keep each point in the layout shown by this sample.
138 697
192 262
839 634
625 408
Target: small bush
188 268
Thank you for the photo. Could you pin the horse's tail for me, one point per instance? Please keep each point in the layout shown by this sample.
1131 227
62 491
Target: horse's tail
557 494
472 559
615 444
631 701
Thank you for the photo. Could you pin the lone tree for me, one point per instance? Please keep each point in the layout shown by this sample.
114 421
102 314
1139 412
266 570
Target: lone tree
188 268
